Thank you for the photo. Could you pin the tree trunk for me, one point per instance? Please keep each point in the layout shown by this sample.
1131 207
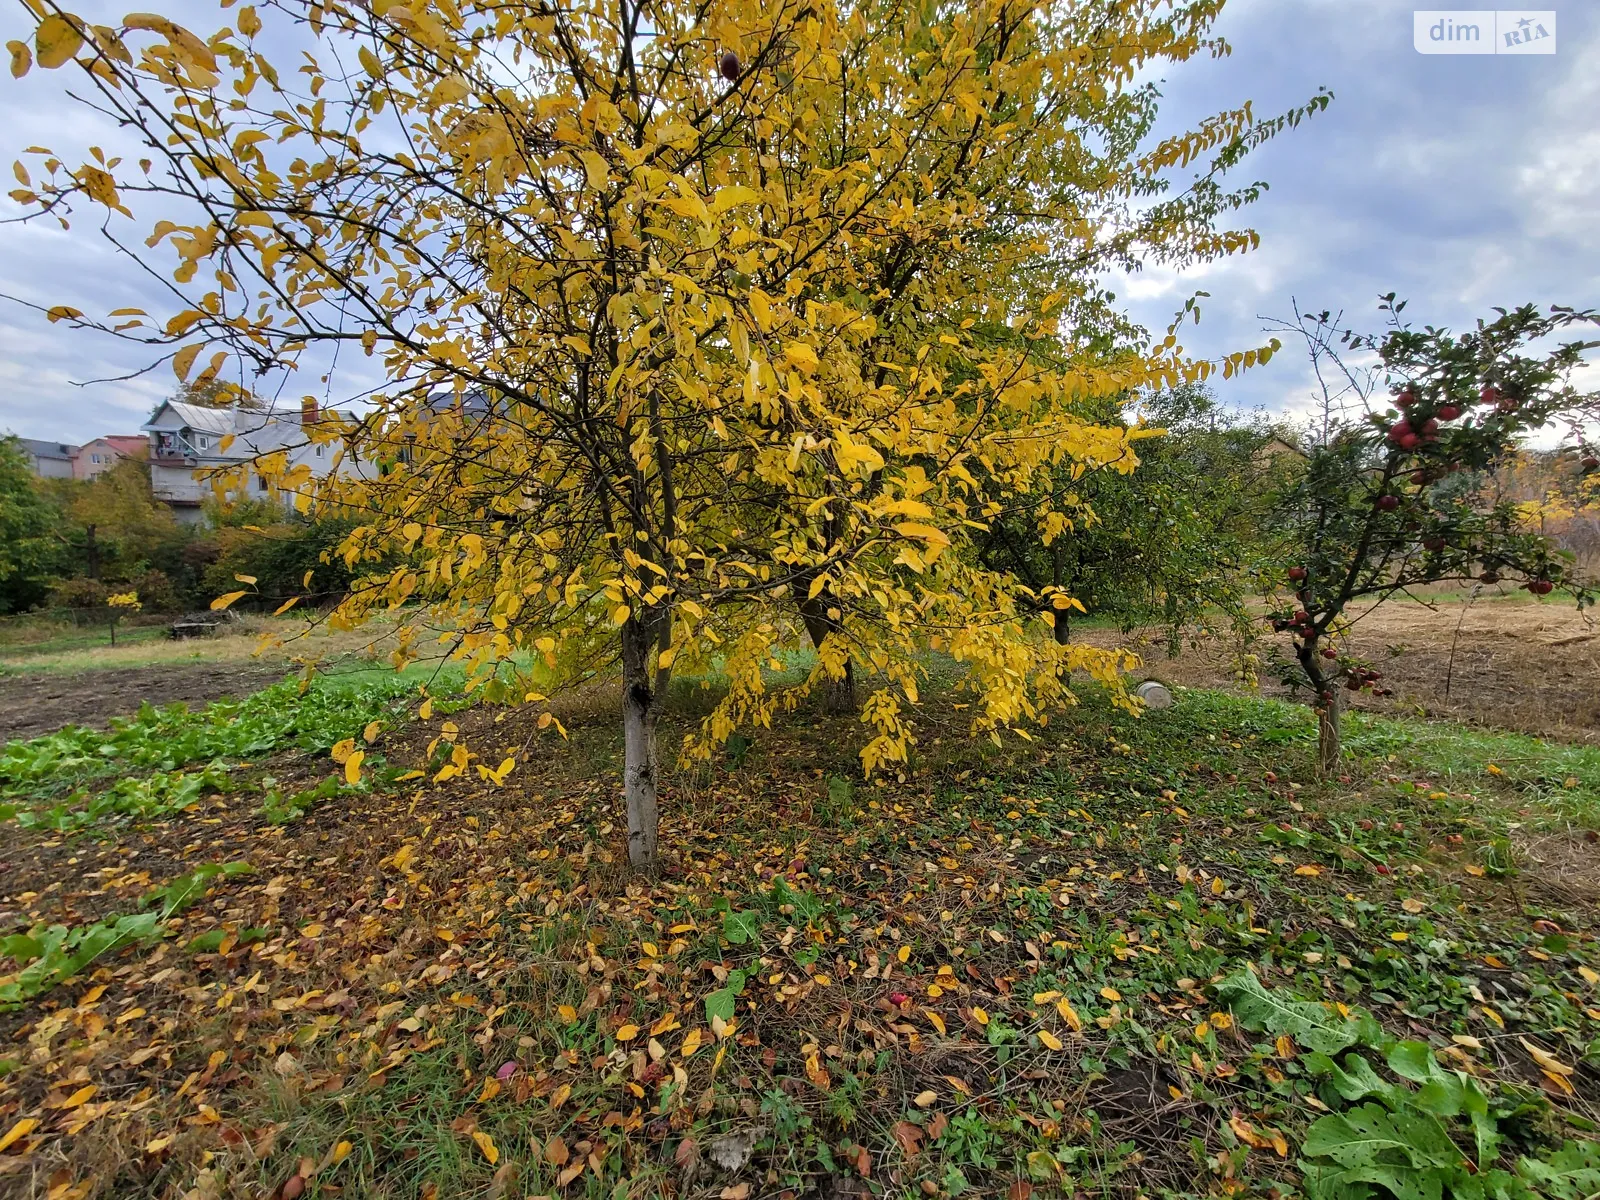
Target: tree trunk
91 553
838 695
1063 627
1329 744
640 712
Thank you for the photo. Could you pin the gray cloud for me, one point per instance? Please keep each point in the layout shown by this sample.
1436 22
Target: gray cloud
1460 182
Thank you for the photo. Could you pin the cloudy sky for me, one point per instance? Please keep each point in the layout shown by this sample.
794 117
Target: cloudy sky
1458 181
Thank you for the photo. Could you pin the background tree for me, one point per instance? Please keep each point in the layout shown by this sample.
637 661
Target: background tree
114 521
291 556
30 546
1167 544
214 392
677 317
1395 497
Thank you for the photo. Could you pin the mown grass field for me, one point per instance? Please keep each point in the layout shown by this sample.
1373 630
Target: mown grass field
1137 956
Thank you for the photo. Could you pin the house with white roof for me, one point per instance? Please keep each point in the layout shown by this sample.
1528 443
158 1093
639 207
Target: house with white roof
189 443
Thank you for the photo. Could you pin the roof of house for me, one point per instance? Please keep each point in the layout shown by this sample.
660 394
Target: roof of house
207 420
60 450
125 443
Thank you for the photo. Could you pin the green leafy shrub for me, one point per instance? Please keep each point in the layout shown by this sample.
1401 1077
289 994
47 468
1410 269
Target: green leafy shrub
1428 1134
166 739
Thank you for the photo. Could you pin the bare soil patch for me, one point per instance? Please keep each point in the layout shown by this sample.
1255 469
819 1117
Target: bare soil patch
33 705
1501 663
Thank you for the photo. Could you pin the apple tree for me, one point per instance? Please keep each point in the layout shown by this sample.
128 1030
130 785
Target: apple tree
1399 486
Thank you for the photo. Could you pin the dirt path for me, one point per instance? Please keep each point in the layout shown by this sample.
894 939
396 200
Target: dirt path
31 705
1504 663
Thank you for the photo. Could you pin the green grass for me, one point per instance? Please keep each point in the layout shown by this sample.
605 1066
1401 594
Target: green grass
24 643
1075 930
1186 879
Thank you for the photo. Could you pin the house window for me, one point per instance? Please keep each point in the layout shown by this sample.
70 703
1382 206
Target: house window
205 443
94 458
261 483
320 449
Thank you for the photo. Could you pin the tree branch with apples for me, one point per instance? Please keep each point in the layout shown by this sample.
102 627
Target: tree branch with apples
1400 486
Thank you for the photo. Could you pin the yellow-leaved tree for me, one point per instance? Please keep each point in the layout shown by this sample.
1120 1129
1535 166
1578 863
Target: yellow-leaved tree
709 328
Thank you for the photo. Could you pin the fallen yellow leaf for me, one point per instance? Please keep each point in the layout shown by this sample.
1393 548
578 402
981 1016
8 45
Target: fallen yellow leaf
486 1144
1547 1062
1070 1016
78 1097
1050 1040
28 1124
